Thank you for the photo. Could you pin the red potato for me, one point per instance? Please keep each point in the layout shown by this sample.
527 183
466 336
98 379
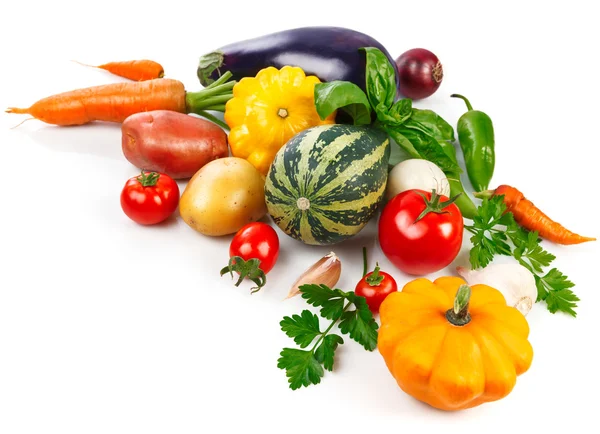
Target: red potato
172 143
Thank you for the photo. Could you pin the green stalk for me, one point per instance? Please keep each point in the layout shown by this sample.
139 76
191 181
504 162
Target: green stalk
213 97
212 118
334 322
459 314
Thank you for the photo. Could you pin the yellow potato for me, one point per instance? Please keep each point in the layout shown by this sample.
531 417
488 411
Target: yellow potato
223 196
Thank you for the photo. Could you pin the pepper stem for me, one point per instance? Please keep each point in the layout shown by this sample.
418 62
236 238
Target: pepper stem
456 95
459 314
486 194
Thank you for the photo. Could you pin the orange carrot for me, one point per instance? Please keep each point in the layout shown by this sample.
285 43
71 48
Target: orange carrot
116 102
138 70
532 218
109 102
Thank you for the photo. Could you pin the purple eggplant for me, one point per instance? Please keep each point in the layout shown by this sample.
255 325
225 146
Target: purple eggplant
330 53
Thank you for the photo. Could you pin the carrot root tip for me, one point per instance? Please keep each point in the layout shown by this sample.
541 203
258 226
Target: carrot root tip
17 110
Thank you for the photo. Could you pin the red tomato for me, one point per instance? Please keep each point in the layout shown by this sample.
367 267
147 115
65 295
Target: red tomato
375 287
419 242
256 241
149 198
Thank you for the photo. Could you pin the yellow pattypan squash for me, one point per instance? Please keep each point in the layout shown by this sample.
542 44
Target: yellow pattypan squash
453 346
267 110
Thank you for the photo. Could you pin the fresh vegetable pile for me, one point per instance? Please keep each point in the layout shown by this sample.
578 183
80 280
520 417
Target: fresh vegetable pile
310 116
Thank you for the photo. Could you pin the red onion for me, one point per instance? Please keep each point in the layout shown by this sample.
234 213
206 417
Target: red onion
420 73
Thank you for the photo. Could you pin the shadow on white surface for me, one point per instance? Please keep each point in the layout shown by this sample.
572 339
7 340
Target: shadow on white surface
98 139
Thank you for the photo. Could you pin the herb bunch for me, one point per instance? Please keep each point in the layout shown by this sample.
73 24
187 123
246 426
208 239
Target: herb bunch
495 232
350 312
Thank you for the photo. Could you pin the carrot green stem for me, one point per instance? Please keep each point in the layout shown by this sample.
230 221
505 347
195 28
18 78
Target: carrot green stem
214 119
212 97
469 106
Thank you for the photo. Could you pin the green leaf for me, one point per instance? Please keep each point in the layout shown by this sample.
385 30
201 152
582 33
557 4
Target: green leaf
359 324
531 250
541 288
325 352
380 80
429 149
301 367
304 328
482 252
557 281
430 123
399 113
344 95
403 142
563 300
330 300
402 110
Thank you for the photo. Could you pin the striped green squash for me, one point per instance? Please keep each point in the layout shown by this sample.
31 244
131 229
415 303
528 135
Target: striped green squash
326 183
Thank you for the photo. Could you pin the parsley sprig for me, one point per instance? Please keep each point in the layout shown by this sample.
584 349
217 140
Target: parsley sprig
346 309
495 232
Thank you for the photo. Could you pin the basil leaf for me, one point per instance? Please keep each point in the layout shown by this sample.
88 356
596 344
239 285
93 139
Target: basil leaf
380 80
342 95
430 149
403 142
400 112
431 124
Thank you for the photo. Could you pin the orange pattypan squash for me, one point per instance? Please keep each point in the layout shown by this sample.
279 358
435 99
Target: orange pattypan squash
453 346
268 110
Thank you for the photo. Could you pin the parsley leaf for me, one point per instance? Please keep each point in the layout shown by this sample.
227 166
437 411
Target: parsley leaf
304 328
494 230
331 300
359 324
301 367
306 367
325 352
563 300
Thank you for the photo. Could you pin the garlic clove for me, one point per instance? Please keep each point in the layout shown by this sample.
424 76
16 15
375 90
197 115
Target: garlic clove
326 271
515 282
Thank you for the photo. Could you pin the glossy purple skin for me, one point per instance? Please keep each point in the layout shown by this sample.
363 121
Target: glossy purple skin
330 53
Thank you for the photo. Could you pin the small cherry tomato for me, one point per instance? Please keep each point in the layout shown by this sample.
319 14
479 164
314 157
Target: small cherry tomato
375 287
420 232
149 198
253 252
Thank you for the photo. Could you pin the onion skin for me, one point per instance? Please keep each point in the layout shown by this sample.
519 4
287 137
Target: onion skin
420 73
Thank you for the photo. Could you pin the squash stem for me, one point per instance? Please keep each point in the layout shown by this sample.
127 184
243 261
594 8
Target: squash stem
459 314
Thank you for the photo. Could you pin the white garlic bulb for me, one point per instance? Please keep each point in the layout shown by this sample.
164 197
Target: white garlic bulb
514 281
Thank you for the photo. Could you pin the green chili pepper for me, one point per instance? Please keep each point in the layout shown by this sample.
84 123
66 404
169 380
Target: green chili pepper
463 202
476 138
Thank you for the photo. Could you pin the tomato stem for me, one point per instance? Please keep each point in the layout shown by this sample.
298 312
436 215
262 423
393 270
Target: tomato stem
434 205
148 179
365 265
375 278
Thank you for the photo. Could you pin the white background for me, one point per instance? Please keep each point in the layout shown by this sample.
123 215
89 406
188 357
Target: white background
109 327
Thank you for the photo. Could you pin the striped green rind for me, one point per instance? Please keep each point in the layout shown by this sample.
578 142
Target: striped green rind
342 171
